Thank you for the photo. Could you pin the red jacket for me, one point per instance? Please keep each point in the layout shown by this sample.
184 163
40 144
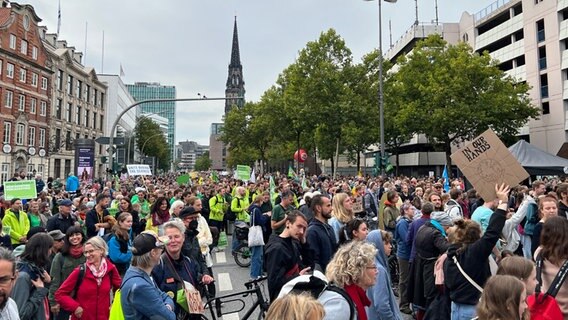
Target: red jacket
95 300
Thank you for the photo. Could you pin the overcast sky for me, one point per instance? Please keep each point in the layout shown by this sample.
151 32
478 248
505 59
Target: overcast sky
187 43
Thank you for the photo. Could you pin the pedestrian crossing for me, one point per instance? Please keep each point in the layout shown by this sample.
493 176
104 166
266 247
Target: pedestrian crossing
223 280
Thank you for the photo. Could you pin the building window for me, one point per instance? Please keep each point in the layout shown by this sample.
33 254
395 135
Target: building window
544 86
88 93
24 47
70 85
34 79
42 108
23 75
79 89
10 70
57 139
31 136
20 131
44 83
78 115
95 97
68 144
57 167
33 105
542 58
13 41
7 132
69 110
9 99
67 167
22 103
94 120
102 100
102 121
59 80
41 138
40 168
546 107
5 171
86 118
1 68
540 30
58 109
34 53
30 168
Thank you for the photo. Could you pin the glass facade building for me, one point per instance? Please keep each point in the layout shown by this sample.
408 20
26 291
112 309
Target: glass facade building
152 90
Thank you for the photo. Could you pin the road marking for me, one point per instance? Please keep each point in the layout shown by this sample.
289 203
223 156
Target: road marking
224 281
231 316
220 257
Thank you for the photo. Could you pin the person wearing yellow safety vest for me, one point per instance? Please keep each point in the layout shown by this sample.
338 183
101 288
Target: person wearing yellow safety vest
239 205
217 209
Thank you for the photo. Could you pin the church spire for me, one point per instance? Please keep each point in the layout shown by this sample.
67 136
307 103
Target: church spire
235 53
235 84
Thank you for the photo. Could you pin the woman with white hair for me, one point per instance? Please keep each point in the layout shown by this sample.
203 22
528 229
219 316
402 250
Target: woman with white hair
176 208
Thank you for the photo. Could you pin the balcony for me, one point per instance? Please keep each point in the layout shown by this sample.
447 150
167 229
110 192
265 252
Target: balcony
563 30
509 52
519 73
506 28
564 64
565 90
561 5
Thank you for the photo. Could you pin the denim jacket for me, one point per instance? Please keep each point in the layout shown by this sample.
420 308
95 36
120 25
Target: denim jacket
142 300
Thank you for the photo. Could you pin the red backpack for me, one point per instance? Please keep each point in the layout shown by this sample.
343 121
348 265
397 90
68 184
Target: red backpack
543 306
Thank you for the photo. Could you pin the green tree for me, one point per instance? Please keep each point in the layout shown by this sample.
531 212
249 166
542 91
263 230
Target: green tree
152 142
203 163
452 94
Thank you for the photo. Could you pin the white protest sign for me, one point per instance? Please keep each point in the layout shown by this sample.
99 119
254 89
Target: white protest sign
139 170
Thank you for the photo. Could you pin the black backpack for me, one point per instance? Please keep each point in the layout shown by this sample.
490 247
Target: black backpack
231 215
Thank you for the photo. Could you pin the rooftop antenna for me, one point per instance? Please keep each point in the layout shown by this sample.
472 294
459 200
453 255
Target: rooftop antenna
416 5
436 2
390 32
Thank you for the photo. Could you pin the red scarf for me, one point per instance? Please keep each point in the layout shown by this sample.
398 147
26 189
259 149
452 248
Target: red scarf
76 251
359 298
158 218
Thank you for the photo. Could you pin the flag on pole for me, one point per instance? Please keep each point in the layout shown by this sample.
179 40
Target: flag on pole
214 176
252 177
58 19
304 186
272 188
121 71
446 179
291 173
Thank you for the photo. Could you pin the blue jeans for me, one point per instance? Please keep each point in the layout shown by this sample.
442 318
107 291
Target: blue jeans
463 311
256 261
527 246
235 243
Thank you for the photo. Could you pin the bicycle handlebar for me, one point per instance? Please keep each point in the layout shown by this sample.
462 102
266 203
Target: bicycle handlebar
255 281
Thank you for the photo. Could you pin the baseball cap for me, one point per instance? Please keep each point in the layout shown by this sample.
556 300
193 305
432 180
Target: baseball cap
145 242
140 189
56 234
65 203
188 211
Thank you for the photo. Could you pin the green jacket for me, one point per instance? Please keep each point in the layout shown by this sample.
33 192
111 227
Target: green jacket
61 268
19 228
217 207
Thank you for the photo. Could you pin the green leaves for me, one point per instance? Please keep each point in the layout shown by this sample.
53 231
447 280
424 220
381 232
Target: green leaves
151 141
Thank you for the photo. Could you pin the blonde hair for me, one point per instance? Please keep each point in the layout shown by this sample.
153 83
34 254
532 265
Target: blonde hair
99 244
294 306
338 210
350 262
501 298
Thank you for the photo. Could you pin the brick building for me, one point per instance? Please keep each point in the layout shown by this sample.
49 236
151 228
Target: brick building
25 92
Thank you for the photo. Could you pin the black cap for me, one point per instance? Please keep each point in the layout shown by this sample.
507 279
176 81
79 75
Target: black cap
144 243
188 211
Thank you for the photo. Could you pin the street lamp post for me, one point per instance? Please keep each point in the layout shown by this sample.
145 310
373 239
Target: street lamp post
115 123
381 98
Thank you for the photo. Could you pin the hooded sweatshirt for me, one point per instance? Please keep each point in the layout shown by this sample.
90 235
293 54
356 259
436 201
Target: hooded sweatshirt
383 302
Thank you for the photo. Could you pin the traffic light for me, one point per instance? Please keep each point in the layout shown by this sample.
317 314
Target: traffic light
104 159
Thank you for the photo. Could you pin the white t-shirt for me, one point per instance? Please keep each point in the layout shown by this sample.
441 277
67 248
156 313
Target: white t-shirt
10 311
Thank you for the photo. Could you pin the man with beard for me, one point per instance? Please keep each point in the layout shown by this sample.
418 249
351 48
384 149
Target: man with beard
18 221
287 255
190 248
96 219
8 308
321 237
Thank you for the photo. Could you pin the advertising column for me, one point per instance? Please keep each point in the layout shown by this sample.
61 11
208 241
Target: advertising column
85 159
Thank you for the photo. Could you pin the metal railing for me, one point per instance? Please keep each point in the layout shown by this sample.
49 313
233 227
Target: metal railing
490 9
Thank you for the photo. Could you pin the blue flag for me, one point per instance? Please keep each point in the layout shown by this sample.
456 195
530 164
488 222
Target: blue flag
446 179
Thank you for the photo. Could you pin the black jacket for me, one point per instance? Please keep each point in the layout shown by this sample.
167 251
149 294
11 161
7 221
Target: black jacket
192 250
58 222
92 219
284 259
474 261
562 209
322 242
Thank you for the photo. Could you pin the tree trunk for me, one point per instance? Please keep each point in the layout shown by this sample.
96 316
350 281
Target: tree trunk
358 162
397 153
448 149
332 167
298 150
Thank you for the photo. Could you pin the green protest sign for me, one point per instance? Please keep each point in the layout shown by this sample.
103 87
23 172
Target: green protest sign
24 189
243 172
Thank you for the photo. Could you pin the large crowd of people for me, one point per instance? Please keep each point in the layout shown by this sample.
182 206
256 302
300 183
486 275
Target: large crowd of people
387 246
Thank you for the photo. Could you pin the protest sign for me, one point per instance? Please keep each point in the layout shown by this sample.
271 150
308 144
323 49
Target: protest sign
23 189
138 169
243 172
486 161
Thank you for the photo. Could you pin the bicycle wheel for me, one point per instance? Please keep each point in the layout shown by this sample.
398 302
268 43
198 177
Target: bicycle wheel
242 255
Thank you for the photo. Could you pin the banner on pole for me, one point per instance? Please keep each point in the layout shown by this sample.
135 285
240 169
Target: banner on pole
138 169
23 189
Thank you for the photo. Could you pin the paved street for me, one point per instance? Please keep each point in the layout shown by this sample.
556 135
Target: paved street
230 278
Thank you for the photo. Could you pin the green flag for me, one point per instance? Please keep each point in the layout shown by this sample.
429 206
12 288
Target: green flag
214 176
272 187
291 173
304 186
243 172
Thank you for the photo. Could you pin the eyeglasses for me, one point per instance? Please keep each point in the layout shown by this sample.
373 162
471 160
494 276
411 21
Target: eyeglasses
87 252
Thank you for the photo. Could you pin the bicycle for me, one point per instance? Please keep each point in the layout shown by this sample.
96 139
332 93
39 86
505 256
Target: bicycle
242 253
253 287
